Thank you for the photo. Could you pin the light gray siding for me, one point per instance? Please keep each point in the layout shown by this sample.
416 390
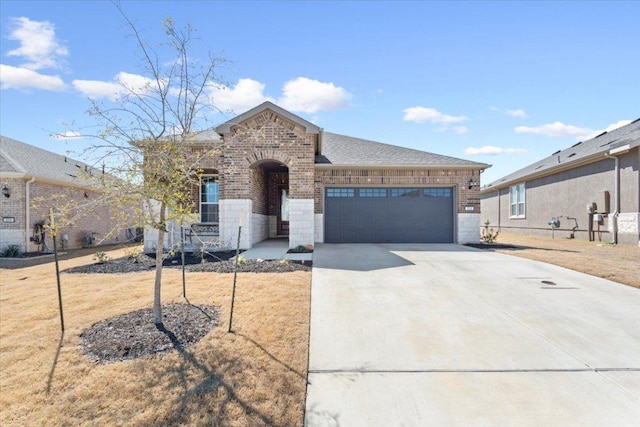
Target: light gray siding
567 194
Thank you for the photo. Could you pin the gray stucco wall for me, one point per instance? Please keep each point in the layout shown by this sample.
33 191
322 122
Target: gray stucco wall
567 194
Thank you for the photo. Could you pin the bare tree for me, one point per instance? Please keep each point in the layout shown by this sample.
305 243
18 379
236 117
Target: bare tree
147 135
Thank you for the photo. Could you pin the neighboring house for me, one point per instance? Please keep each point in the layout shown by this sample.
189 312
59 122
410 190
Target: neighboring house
590 190
284 177
31 178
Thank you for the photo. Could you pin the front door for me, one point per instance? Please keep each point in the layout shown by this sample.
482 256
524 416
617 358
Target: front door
283 210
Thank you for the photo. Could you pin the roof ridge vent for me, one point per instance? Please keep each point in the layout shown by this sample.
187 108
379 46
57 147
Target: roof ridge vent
575 145
598 136
553 154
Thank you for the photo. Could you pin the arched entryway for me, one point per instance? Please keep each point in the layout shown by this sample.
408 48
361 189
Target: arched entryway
270 197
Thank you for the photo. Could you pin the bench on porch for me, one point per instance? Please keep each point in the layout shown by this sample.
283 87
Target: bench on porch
202 232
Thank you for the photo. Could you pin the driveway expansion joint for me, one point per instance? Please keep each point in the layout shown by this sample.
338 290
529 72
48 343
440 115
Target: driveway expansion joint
465 371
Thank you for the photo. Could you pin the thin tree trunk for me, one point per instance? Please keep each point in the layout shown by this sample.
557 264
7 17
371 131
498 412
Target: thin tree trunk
157 298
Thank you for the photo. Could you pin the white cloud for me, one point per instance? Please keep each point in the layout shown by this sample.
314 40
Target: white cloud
298 95
616 125
492 150
66 135
246 94
18 78
122 83
310 96
421 114
559 129
39 46
519 113
97 89
556 129
461 130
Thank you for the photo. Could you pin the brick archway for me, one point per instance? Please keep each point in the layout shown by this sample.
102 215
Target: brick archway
268 155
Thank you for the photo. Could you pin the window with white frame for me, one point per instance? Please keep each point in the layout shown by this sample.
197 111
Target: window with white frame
209 189
517 201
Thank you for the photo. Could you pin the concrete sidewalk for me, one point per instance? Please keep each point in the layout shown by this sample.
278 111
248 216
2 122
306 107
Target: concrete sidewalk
274 249
448 335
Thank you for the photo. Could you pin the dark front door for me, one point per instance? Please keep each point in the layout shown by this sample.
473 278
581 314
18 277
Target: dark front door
283 210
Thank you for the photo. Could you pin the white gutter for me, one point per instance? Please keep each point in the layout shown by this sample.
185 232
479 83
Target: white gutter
27 214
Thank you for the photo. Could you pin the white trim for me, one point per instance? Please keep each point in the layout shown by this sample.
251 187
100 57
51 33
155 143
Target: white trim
200 203
521 199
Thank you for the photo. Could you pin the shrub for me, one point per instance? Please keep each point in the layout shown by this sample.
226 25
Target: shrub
101 257
135 255
299 248
488 234
11 251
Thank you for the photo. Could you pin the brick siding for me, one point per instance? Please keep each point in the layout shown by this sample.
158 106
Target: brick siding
402 177
43 196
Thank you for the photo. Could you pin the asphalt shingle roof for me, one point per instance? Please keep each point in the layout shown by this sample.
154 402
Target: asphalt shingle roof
342 150
628 134
16 156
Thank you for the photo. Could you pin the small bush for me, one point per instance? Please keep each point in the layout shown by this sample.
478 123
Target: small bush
135 255
11 251
488 234
101 257
299 248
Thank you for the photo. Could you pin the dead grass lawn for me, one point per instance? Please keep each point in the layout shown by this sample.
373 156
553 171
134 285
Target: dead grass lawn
256 376
620 263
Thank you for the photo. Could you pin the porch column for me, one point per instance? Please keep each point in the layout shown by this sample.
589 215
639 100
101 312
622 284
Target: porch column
301 222
230 211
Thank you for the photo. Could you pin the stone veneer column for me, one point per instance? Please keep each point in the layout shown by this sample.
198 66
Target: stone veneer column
468 228
230 211
301 227
319 228
628 227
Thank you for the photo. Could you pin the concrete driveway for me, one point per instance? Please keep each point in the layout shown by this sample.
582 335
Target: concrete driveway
446 335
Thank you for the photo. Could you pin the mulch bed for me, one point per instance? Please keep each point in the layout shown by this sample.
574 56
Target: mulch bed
218 263
490 246
134 334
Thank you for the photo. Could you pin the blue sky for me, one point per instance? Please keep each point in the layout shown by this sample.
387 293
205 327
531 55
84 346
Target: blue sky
504 83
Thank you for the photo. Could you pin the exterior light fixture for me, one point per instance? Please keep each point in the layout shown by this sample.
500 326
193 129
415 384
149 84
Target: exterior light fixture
472 183
6 192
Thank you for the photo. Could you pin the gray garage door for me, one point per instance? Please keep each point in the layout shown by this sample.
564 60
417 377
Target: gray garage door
388 215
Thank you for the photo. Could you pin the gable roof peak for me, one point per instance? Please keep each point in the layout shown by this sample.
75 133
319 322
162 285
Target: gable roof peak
267 105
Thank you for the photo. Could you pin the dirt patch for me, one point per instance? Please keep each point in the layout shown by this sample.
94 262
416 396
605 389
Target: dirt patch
134 334
619 263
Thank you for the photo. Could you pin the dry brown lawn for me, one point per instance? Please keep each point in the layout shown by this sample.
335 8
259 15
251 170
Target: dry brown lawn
256 376
620 263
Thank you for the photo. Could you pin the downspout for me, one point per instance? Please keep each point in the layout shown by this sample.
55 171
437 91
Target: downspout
499 214
616 192
27 216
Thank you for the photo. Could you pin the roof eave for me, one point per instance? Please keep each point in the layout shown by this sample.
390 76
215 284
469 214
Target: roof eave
481 166
550 171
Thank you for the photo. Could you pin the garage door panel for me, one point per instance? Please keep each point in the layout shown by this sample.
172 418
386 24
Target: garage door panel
417 215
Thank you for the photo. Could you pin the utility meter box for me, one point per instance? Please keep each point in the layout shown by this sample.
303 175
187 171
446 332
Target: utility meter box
604 202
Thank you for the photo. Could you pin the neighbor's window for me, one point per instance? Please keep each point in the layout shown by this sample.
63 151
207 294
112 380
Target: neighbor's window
517 201
209 199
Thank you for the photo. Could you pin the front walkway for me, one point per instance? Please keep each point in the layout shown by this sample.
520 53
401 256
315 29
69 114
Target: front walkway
446 335
274 249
